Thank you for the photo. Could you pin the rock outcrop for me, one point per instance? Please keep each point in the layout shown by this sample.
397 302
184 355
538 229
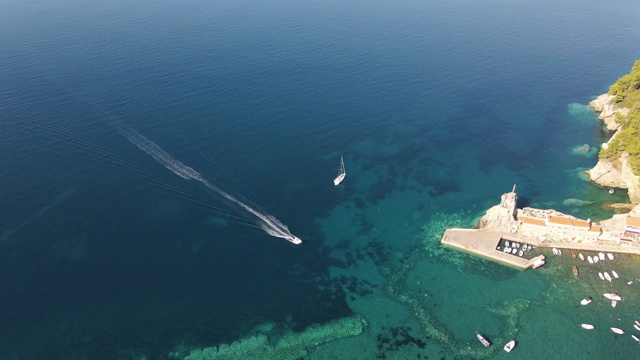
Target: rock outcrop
616 173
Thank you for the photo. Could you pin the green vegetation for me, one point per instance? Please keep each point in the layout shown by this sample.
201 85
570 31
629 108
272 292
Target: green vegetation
627 95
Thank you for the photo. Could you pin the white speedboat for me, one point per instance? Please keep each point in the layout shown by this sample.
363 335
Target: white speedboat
520 253
538 263
612 296
587 326
636 322
601 255
554 251
601 276
635 338
615 274
581 256
607 276
596 259
610 256
482 339
590 259
636 326
617 330
507 244
586 301
510 345
514 251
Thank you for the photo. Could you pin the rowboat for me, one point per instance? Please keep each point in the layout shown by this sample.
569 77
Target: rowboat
575 271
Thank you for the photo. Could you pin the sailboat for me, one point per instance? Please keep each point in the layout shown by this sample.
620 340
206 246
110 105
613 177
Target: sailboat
341 174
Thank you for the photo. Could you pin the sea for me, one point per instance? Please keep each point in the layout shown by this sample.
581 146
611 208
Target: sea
144 143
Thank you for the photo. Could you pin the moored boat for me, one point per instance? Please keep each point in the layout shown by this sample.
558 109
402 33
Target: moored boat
483 340
601 276
538 263
587 326
507 243
635 338
612 296
520 253
581 256
590 259
607 276
614 303
617 330
586 301
514 251
636 322
596 259
510 345
554 251
615 274
636 326
341 173
610 256
601 255
575 271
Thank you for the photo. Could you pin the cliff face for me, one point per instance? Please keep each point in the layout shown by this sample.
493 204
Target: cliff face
616 173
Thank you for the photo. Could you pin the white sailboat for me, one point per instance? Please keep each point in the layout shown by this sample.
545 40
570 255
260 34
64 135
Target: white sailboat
341 174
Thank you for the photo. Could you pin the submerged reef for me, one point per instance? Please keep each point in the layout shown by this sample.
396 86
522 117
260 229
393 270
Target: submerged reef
288 347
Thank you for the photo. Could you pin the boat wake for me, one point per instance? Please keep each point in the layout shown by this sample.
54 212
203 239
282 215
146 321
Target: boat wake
268 223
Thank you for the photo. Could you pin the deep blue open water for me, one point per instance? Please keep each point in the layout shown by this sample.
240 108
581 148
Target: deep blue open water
438 107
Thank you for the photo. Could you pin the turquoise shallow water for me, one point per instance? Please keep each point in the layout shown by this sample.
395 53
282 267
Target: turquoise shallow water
438 109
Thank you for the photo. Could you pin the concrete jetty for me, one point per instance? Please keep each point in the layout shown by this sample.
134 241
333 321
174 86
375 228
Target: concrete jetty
483 242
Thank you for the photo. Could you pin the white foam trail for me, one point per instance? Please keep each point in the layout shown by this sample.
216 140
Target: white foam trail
268 223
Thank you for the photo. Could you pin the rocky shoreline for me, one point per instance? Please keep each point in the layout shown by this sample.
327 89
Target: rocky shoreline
616 173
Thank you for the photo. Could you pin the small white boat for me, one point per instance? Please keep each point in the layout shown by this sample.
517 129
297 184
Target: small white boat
484 341
507 244
617 330
635 338
601 276
514 251
559 252
520 253
612 296
510 345
554 251
611 191
607 276
601 255
581 256
587 326
507 250
538 263
610 256
636 322
615 274
614 303
529 247
590 259
586 301
595 259
341 173
636 326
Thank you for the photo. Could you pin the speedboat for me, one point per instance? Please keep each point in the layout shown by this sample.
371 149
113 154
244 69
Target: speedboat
506 243
601 276
554 251
586 301
601 255
510 345
514 251
482 339
587 326
613 296
636 326
617 330
636 322
538 263
520 253
610 256
581 256
607 276
615 274
596 259
590 259
635 338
